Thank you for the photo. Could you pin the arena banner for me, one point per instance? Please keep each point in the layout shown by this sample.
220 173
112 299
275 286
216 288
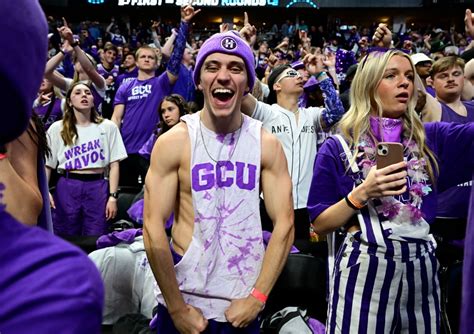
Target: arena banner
222 3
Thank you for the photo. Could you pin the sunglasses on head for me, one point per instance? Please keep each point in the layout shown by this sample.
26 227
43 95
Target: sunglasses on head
424 63
289 74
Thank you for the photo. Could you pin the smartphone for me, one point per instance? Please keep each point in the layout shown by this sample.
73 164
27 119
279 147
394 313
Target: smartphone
389 154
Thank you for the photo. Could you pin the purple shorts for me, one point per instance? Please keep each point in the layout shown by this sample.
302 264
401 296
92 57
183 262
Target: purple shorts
80 207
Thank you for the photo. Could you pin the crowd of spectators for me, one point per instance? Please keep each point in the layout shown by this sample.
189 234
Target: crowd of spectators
139 77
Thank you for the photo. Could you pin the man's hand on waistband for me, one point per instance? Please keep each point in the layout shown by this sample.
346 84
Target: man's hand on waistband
242 312
189 320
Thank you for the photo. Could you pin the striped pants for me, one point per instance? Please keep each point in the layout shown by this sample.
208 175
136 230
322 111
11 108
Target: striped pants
377 292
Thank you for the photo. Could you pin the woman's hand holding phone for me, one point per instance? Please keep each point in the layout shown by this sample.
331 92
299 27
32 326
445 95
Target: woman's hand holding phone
387 181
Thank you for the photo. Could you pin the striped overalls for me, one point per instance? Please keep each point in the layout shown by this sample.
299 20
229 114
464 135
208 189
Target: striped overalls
384 277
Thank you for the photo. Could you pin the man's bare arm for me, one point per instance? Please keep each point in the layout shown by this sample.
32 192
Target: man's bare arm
118 114
161 186
277 191
161 179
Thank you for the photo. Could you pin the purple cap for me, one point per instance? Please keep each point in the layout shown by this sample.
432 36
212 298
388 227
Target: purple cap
229 43
297 65
24 32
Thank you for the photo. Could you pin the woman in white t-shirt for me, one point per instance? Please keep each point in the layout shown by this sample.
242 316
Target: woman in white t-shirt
84 148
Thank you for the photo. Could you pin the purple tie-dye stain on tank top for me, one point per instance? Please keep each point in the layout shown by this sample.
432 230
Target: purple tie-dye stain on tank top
226 253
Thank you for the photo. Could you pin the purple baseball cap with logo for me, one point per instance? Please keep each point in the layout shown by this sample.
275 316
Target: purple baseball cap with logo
229 43
24 36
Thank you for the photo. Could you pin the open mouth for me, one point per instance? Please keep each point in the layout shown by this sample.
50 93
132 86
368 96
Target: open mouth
402 97
223 94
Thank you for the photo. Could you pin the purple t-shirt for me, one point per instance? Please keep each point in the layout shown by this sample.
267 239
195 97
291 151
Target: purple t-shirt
141 99
55 115
126 77
145 150
47 285
467 320
449 142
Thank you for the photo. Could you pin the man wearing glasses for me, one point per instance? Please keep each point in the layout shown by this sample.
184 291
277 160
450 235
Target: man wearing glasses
297 128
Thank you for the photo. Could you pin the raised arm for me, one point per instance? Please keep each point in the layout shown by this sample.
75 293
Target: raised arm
85 62
248 33
50 70
161 186
154 35
187 13
334 108
168 46
109 27
277 189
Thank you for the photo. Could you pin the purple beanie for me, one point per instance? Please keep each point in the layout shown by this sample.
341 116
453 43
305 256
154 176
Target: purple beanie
229 43
24 37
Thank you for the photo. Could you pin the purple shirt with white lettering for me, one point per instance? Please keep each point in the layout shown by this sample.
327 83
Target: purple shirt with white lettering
47 285
141 99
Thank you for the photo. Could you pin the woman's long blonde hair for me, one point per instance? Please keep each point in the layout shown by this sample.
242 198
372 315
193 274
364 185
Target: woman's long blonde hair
69 131
365 100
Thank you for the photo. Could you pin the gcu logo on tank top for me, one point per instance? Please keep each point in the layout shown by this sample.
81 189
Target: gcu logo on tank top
223 174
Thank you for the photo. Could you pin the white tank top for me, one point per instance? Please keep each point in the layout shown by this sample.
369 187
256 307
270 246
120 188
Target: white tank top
226 253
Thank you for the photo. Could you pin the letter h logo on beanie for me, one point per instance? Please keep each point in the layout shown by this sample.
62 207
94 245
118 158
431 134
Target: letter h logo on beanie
228 43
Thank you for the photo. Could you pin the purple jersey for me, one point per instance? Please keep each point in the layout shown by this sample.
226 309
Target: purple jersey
448 141
141 99
449 115
105 73
49 113
48 285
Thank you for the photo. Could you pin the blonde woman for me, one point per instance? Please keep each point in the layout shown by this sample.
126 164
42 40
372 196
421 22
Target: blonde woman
384 276
84 147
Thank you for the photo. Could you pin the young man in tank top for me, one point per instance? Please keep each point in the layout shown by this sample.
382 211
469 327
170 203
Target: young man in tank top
209 171
449 83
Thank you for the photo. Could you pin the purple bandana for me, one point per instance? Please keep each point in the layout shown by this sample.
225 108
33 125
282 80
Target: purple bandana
391 129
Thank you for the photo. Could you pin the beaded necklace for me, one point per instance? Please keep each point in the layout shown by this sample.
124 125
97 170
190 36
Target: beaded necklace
391 208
